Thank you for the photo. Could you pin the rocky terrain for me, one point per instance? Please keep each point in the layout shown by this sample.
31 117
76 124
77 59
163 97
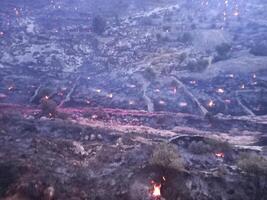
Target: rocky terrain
138 100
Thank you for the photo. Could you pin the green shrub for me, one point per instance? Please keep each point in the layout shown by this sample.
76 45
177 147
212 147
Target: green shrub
167 156
197 66
217 145
99 25
223 52
223 49
199 147
253 164
185 38
48 107
149 74
259 49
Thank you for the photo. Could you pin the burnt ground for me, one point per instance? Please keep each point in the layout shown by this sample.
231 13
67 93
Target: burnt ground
78 156
107 99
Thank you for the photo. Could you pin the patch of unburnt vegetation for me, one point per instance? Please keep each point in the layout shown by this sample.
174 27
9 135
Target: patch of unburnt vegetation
208 145
149 74
99 25
223 52
167 156
186 38
199 147
48 107
253 164
217 145
197 65
259 49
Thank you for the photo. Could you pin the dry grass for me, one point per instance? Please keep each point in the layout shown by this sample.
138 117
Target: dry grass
167 156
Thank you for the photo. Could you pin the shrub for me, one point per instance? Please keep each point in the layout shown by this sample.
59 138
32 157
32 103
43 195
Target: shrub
167 156
187 38
253 164
41 93
48 107
149 74
99 25
197 66
199 147
217 145
223 49
259 49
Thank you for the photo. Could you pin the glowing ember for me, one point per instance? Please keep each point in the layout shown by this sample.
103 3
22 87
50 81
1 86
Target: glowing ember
219 155
131 102
10 88
110 95
157 90
1 33
193 82
254 76
98 90
211 104
236 13
242 86
182 104
174 90
220 90
46 97
227 101
94 116
131 86
231 76
161 102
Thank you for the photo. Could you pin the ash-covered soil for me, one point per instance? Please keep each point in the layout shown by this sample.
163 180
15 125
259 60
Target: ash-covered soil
137 100
114 154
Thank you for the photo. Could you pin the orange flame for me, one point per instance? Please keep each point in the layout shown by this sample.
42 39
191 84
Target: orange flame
156 190
220 155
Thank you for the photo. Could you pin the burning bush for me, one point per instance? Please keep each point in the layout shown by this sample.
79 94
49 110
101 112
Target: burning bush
167 156
253 164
